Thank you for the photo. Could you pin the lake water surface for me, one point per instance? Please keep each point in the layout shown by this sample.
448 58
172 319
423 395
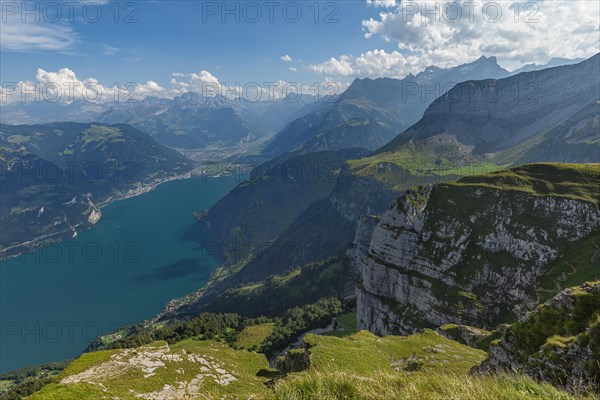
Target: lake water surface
55 301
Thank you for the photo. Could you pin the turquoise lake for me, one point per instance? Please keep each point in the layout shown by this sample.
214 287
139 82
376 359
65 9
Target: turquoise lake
55 301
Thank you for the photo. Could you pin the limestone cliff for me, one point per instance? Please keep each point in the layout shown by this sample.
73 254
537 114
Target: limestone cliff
477 252
362 240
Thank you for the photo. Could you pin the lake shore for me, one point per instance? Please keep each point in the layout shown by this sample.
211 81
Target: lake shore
19 249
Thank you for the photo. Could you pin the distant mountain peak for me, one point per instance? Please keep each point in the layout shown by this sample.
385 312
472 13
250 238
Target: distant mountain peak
560 125
432 68
372 111
553 62
484 59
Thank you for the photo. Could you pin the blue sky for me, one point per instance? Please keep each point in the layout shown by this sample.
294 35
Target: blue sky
364 38
172 37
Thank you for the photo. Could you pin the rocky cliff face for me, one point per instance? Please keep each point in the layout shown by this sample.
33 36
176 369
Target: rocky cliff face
472 252
558 343
362 240
496 115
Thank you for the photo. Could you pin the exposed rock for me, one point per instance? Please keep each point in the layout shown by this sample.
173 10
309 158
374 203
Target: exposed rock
559 343
362 240
464 254
153 359
295 360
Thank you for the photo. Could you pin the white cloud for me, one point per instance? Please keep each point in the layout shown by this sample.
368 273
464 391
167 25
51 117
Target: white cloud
374 63
64 86
21 32
110 50
293 69
382 3
425 37
286 58
27 36
202 82
27 26
449 33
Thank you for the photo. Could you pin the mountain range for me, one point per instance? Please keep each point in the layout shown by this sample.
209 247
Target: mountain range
371 112
456 207
188 121
458 135
56 176
518 119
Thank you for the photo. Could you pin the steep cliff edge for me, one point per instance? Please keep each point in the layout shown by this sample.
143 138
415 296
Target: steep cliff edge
479 251
558 343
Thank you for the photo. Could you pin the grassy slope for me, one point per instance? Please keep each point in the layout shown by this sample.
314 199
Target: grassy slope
117 379
254 336
385 386
579 264
365 354
575 181
416 164
423 366
345 324
361 366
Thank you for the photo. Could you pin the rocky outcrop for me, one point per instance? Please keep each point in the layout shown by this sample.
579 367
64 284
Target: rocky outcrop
467 254
362 240
469 335
558 343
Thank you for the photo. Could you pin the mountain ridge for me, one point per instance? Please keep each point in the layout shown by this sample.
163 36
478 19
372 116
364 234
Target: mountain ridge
55 177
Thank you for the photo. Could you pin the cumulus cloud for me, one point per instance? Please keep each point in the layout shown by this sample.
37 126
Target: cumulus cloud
374 63
449 33
202 82
208 85
286 58
64 86
382 3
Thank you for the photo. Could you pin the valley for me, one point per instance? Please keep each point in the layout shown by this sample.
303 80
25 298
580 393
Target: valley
430 232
